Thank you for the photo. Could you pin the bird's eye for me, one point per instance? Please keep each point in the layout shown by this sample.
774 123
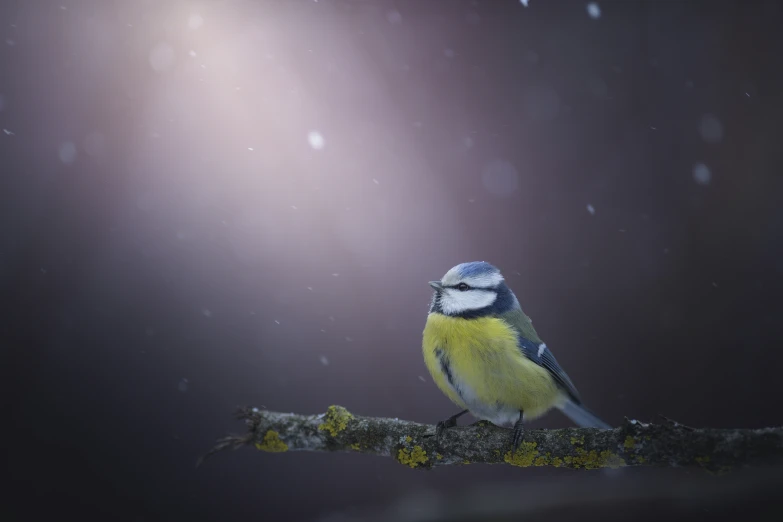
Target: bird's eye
462 287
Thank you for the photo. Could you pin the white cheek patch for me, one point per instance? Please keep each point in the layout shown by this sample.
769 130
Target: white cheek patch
454 301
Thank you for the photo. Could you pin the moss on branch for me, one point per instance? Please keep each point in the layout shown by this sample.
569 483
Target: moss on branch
412 444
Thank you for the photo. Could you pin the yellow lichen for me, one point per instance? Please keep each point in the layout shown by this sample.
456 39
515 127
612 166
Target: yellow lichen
408 439
466 462
527 455
593 459
355 446
524 456
702 461
439 456
630 443
272 443
335 420
577 440
640 459
413 458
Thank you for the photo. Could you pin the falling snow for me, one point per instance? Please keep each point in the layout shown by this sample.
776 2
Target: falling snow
206 312
591 209
594 10
183 385
324 360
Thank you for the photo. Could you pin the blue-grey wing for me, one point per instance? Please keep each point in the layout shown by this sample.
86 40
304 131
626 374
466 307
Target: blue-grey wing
540 354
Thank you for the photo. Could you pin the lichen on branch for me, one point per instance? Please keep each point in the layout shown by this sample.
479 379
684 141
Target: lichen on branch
412 444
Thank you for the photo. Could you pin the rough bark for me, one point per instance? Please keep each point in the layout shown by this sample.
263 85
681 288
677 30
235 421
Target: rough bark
633 444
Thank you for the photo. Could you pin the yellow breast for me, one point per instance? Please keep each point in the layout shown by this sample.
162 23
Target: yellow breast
478 365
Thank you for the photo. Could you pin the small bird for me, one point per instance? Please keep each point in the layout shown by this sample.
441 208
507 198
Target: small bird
484 354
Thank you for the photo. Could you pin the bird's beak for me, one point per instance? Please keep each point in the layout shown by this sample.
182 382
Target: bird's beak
436 285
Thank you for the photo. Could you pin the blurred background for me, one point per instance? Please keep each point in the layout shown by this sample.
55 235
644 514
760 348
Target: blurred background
222 203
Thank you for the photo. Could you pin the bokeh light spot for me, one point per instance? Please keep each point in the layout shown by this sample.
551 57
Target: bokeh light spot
195 21
711 129
162 57
500 178
316 140
702 174
67 152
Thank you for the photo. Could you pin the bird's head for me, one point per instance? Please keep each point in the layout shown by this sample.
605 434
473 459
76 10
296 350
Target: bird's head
472 289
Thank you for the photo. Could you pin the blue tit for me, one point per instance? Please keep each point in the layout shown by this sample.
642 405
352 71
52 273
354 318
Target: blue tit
484 354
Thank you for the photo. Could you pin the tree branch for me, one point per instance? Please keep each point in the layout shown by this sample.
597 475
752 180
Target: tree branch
632 444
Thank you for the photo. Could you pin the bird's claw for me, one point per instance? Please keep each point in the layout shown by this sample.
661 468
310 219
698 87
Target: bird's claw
442 426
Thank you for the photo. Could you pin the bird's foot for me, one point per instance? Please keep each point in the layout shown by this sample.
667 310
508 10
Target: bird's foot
443 425
517 434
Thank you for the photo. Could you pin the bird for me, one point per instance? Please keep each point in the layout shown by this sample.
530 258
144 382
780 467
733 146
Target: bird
484 354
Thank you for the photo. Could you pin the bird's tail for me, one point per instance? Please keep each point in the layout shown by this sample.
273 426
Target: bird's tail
582 416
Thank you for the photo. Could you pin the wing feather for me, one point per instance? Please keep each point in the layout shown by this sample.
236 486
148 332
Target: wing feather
534 349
